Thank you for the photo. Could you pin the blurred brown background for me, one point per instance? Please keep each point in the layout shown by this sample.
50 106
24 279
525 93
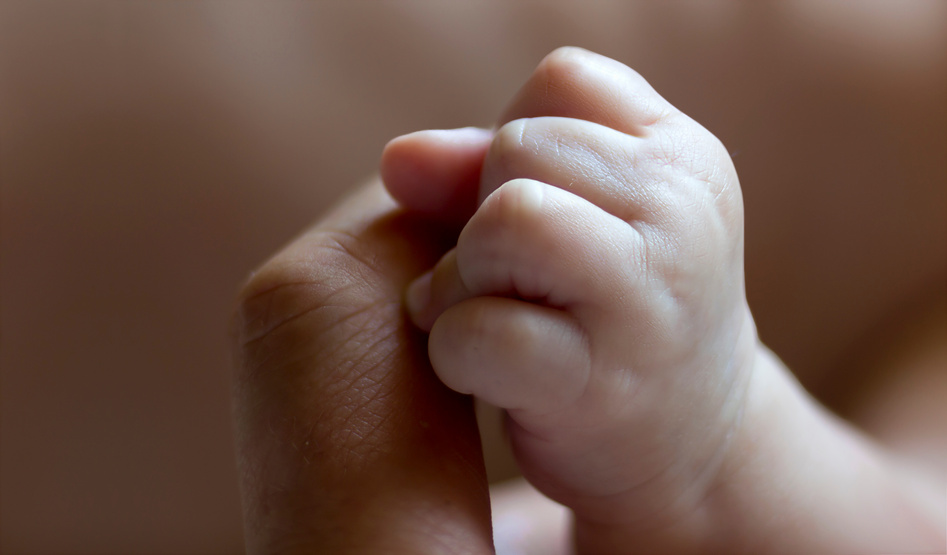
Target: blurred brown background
152 153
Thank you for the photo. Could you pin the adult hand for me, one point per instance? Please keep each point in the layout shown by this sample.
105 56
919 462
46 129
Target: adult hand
346 440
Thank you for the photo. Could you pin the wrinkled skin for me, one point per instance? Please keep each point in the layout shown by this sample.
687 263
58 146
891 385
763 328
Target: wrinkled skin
347 443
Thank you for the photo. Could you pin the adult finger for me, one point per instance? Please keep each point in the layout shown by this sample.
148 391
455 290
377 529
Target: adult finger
346 440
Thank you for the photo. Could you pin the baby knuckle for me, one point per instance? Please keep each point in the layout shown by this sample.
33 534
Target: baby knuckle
563 66
706 187
723 187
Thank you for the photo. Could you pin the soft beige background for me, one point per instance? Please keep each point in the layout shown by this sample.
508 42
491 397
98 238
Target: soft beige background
152 153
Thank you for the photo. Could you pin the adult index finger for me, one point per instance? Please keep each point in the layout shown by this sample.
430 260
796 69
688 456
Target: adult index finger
346 440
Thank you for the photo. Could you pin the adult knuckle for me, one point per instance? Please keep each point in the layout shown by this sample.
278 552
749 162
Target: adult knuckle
276 293
308 277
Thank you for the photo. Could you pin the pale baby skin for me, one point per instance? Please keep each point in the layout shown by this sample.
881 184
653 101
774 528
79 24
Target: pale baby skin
596 293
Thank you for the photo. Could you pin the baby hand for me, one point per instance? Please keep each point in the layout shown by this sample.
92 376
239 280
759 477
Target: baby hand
597 294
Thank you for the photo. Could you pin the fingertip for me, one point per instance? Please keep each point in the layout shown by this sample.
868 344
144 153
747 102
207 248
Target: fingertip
577 83
436 172
400 166
511 353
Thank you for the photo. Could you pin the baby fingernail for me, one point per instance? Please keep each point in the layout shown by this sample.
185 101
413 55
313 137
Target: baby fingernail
418 295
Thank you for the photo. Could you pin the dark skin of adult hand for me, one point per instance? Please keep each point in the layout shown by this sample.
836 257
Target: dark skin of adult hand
346 440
